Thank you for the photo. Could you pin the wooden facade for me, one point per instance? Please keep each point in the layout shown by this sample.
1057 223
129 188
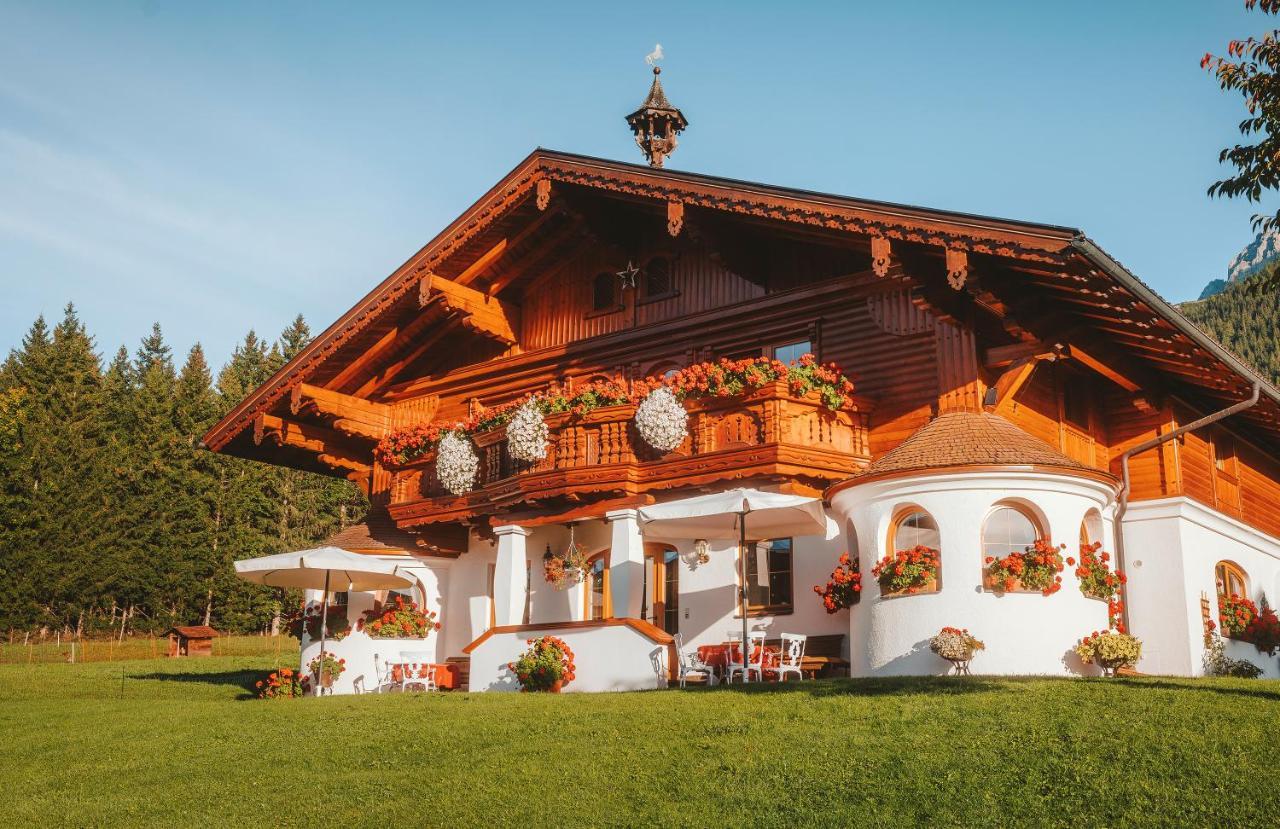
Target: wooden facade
927 311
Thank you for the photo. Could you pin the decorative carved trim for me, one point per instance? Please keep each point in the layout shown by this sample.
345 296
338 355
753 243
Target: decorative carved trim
957 268
675 216
543 193
896 313
881 253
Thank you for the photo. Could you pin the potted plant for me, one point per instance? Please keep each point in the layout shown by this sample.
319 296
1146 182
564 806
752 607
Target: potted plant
1235 614
1034 570
844 588
908 571
957 646
547 665
1097 579
1264 630
307 620
400 618
326 668
1110 649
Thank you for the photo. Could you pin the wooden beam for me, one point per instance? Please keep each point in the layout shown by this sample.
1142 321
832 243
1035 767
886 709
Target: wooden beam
482 313
532 258
353 416
1116 375
503 246
1005 355
392 370
1010 381
328 446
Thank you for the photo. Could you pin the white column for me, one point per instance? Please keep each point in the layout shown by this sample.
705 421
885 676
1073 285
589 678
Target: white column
510 575
626 563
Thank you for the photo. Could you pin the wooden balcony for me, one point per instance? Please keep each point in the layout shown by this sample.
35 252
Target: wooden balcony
765 435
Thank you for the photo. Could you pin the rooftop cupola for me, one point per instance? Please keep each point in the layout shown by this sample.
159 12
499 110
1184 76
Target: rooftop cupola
656 123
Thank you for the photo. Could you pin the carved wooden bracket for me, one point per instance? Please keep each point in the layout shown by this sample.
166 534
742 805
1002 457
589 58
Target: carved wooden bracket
481 313
881 255
675 217
543 193
957 268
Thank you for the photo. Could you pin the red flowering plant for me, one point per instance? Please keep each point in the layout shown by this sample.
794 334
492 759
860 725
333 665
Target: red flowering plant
1097 579
1264 630
1235 614
399 618
307 618
282 684
1035 569
546 666
844 587
718 378
908 571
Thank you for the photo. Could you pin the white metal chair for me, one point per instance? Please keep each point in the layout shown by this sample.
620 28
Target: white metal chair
690 664
792 656
411 665
381 674
753 656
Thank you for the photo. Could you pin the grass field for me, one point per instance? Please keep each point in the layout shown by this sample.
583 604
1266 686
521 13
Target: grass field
181 743
138 647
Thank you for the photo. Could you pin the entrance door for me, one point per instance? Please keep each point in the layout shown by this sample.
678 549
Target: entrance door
662 587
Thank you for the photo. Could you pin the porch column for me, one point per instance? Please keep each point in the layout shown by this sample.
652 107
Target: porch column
510 573
626 563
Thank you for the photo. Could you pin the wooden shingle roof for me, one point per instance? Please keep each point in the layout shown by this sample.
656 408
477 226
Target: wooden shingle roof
194 631
958 440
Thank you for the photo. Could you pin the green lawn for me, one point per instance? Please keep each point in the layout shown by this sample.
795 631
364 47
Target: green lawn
180 743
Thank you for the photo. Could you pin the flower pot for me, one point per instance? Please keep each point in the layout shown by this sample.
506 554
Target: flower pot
326 679
929 585
556 686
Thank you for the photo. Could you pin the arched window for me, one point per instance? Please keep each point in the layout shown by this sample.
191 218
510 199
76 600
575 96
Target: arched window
596 587
1230 580
912 528
1008 529
1091 528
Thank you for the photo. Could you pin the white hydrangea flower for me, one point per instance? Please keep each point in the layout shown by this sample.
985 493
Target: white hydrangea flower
456 463
662 420
527 434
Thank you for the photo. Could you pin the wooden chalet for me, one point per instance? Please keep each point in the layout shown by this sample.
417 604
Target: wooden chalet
573 270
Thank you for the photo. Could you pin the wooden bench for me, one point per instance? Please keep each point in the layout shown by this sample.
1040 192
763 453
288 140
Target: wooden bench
822 655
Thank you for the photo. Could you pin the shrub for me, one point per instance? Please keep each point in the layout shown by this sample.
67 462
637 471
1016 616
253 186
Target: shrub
907 571
1110 649
1035 569
1217 663
956 644
547 661
399 619
844 587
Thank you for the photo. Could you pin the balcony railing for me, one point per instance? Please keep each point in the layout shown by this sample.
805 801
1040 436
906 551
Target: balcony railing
767 434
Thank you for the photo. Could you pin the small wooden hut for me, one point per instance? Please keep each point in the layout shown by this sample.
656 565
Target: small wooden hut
191 640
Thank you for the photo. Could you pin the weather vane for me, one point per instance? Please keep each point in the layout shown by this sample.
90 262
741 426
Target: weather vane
656 123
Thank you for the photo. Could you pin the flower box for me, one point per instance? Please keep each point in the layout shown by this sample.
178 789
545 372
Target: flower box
927 585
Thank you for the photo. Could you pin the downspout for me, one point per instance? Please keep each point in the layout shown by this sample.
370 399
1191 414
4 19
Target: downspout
1123 501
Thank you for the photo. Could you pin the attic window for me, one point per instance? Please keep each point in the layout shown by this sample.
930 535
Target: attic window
657 278
604 292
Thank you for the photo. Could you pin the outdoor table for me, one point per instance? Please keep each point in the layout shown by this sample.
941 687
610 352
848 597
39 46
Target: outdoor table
446 674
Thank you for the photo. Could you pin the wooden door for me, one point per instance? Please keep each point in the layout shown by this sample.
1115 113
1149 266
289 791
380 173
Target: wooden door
662 587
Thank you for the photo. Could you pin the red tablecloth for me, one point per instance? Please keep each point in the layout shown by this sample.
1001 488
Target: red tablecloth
717 656
446 674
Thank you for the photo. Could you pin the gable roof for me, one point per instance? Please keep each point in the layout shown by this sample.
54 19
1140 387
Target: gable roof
376 534
194 631
1129 308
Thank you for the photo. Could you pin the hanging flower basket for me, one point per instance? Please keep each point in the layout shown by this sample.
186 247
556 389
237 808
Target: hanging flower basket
565 570
662 421
527 434
456 463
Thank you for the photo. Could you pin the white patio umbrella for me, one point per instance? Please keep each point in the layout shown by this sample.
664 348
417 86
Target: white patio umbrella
321 568
725 515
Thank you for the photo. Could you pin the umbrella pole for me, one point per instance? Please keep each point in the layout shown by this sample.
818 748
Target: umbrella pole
324 631
742 594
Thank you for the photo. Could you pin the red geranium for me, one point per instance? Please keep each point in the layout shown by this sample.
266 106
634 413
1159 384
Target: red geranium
908 571
1035 569
844 587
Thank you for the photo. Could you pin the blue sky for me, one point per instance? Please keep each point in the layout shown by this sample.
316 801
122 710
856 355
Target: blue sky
218 167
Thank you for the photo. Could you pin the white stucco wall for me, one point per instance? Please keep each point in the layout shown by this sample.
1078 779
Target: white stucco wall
610 658
1025 633
1172 546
